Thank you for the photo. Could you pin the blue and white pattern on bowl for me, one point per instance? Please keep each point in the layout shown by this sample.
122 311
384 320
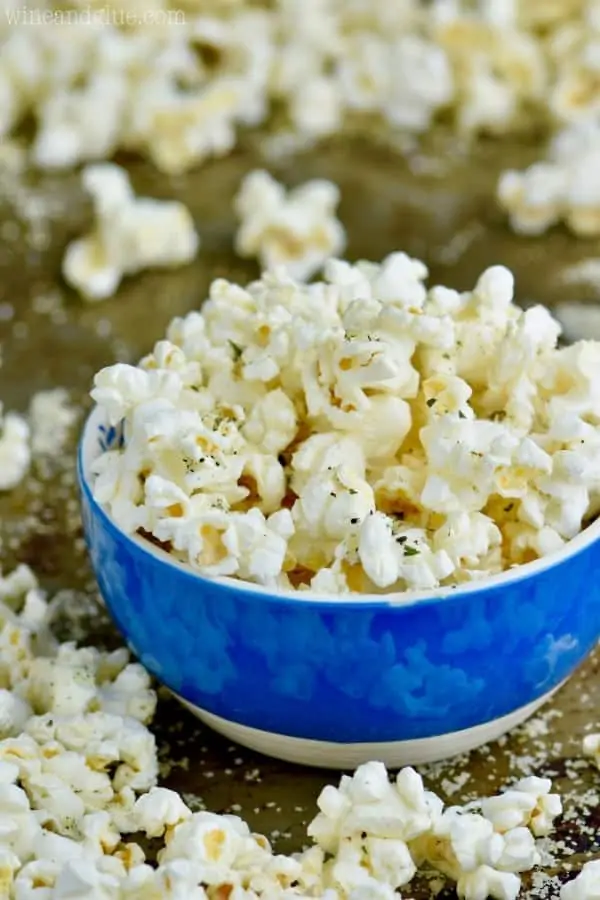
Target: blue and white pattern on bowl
329 681
110 437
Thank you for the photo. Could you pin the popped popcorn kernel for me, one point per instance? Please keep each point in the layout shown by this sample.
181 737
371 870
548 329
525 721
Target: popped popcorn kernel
584 886
129 234
15 449
564 187
297 231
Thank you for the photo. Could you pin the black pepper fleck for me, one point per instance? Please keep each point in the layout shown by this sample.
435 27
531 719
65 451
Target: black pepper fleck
237 351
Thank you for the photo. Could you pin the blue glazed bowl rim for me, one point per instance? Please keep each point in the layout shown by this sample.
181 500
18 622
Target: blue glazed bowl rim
530 571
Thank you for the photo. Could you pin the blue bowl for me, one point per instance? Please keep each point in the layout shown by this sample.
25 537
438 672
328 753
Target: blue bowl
403 678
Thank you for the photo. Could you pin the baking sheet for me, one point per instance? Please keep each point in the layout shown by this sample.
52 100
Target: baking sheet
436 204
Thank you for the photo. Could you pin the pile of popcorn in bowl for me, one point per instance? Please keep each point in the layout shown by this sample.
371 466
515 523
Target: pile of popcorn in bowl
361 434
361 455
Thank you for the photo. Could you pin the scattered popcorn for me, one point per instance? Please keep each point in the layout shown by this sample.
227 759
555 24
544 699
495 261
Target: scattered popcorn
130 234
355 435
499 70
579 320
565 187
297 231
76 779
15 449
464 846
51 417
182 93
591 748
586 885
528 802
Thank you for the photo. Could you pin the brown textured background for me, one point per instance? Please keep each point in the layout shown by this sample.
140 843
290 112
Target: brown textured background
437 205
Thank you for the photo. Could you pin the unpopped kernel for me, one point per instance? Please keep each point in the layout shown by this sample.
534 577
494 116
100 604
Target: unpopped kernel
363 433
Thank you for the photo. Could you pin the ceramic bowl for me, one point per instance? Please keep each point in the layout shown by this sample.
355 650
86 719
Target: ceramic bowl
405 678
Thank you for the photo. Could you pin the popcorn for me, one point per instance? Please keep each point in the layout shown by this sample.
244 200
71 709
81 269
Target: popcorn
390 554
178 95
15 451
420 83
178 130
81 878
130 235
51 419
159 810
316 110
464 846
585 886
534 199
272 423
215 842
565 187
129 694
19 827
528 803
14 713
472 541
368 803
77 125
298 232
591 748
486 881
497 83
36 880
361 434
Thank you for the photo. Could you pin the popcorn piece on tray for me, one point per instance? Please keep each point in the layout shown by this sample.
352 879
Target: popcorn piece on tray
297 230
129 234
528 802
591 748
15 449
565 187
52 418
585 886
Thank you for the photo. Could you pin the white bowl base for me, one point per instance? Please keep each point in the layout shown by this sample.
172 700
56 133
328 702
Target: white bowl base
329 755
